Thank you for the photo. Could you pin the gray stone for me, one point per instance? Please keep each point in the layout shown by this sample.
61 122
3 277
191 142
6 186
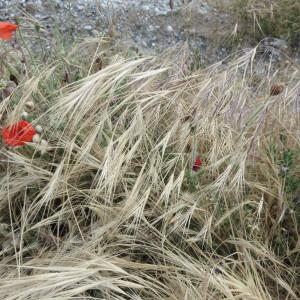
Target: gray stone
169 28
87 27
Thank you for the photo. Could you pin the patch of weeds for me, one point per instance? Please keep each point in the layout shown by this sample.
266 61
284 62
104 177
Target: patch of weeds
261 18
288 160
192 179
289 166
196 63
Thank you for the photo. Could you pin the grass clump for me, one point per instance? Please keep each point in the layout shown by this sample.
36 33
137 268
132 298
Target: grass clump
113 208
265 18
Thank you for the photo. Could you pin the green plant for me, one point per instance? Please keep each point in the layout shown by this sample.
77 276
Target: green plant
261 18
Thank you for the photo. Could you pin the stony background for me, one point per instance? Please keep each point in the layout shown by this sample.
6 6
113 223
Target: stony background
150 25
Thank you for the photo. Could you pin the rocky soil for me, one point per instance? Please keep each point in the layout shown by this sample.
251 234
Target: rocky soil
149 25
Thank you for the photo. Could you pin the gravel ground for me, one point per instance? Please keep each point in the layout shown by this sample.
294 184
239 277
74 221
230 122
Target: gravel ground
149 25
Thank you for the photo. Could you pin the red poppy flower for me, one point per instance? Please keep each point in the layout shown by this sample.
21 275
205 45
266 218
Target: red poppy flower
6 30
18 134
197 164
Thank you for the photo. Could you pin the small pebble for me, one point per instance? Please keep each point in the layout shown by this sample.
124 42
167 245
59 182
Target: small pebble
284 169
169 28
87 27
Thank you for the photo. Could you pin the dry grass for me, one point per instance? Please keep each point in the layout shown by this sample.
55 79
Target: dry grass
113 210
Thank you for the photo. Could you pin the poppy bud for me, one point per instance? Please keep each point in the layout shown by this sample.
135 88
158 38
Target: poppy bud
39 129
29 105
276 89
197 164
24 115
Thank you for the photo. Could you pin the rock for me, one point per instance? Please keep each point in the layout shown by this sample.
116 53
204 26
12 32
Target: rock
204 8
87 27
80 7
151 28
276 43
169 28
146 7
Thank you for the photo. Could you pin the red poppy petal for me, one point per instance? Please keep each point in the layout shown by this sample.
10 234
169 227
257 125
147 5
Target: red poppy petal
4 35
197 164
18 134
6 30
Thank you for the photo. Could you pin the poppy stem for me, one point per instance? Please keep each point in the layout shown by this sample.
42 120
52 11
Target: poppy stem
26 47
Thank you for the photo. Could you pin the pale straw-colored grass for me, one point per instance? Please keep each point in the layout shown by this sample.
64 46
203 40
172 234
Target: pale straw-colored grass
113 210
